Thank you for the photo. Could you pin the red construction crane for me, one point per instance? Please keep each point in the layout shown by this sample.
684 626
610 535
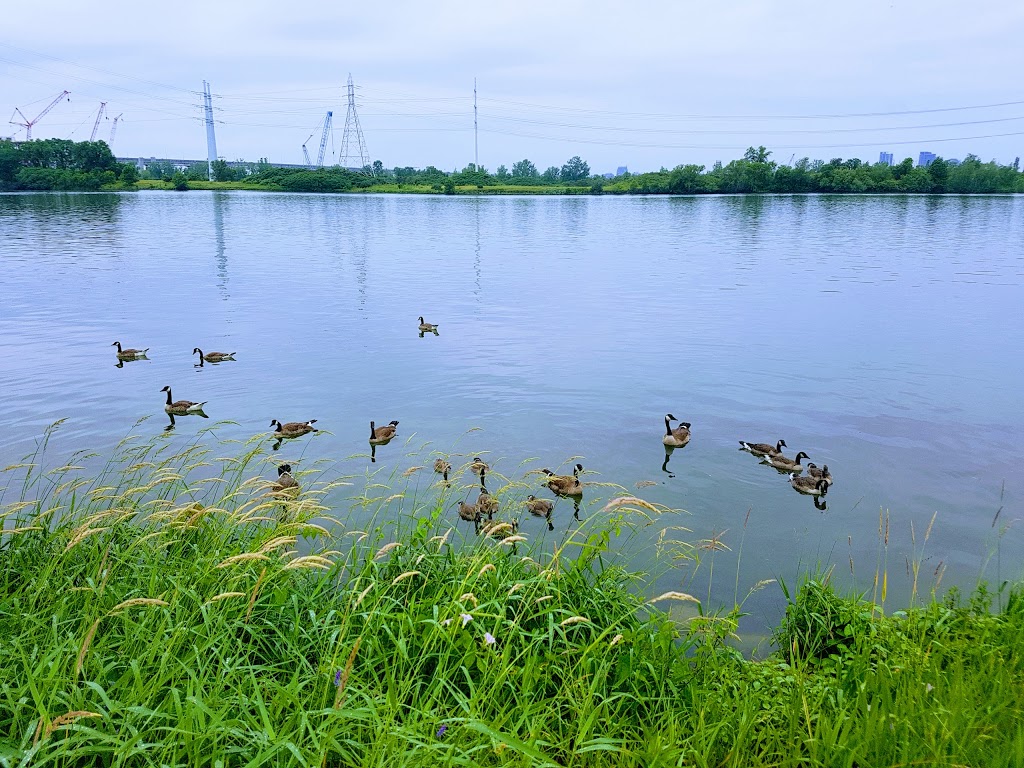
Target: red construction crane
27 125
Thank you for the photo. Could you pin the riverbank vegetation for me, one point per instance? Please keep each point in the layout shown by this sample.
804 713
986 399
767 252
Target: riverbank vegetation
166 609
55 164
59 164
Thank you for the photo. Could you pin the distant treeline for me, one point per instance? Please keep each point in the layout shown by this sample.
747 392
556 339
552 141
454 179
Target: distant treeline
63 165
755 173
67 165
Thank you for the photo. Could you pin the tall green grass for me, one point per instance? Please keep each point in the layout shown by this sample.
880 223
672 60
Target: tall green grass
166 609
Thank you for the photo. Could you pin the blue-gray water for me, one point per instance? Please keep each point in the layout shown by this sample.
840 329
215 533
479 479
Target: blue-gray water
881 335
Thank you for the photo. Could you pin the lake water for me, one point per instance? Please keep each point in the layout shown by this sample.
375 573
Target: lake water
881 335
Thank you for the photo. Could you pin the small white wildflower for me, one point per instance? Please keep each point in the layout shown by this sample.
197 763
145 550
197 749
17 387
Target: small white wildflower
928 688
489 638
466 618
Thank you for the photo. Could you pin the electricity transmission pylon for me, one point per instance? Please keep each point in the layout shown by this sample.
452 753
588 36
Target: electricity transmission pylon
348 156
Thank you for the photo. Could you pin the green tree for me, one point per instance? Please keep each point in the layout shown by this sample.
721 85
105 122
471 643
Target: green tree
179 181
524 169
759 155
222 171
917 180
129 174
939 171
687 180
378 168
903 168
550 175
574 169
502 173
10 162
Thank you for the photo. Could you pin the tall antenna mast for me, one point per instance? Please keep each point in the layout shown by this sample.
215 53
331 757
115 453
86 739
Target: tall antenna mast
476 143
352 124
211 139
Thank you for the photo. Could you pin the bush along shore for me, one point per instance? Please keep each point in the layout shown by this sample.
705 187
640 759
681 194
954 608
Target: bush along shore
170 608
57 164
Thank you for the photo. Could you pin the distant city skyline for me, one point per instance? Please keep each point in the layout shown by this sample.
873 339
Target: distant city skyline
603 81
885 157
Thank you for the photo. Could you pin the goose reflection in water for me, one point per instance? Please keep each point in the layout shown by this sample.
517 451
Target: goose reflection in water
664 465
170 427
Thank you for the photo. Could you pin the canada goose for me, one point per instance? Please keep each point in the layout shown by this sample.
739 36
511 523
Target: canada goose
563 485
763 449
487 504
678 437
129 354
213 357
497 529
285 481
538 507
781 463
181 407
479 466
382 435
820 474
470 513
442 467
426 327
293 428
808 485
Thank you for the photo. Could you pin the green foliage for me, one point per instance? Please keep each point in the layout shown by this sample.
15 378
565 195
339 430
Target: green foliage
575 169
179 181
551 175
128 174
299 180
224 172
524 169
152 617
57 164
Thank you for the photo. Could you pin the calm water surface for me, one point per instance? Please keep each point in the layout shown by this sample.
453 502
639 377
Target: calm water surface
881 335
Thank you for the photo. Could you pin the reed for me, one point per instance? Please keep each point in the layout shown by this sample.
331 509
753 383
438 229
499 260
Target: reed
163 609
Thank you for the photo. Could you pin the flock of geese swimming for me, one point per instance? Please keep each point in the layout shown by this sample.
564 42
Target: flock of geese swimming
481 513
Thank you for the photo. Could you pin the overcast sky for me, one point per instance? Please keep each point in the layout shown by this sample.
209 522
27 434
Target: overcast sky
640 84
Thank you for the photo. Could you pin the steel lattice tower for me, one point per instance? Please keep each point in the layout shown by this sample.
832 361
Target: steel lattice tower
352 125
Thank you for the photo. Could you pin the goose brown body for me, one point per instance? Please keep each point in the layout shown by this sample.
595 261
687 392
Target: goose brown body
213 357
538 507
809 486
293 428
784 464
678 437
426 327
565 485
819 474
181 407
128 353
285 482
442 468
763 449
381 435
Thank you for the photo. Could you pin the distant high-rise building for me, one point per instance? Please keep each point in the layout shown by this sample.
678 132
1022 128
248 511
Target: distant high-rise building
925 159
621 170
885 157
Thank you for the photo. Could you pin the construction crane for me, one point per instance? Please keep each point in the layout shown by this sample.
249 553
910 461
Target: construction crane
323 140
113 131
27 125
99 116
323 143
